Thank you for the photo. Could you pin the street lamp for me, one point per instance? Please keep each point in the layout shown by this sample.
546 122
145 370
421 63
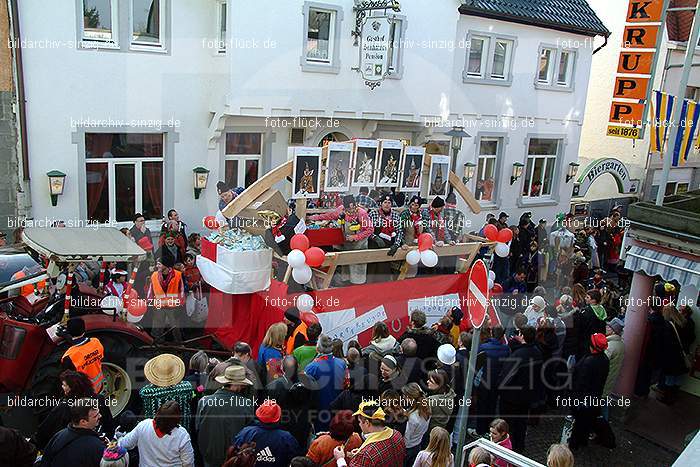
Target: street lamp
573 170
469 169
201 177
517 171
457 134
57 181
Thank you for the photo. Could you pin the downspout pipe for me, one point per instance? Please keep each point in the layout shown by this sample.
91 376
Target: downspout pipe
21 99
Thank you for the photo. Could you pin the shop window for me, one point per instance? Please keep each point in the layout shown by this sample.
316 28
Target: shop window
100 22
489 58
486 169
242 159
146 24
124 175
321 37
540 168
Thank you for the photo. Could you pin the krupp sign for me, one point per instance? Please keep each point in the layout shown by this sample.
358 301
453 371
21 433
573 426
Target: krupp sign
599 167
374 49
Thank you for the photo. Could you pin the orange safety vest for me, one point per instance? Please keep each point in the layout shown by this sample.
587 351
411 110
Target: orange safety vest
301 329
170 298
27 290
87 359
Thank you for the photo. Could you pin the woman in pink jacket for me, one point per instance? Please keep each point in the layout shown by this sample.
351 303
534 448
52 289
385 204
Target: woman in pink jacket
499 435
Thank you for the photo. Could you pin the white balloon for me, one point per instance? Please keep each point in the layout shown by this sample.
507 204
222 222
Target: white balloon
413 257
134 319
296 258
491 283
502 250
305 302
429 258
492 276
302 274
109 303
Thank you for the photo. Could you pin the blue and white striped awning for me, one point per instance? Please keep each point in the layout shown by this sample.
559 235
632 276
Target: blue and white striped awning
659 263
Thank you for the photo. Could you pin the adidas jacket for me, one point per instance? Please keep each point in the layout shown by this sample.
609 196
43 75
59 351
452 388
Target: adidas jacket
275 446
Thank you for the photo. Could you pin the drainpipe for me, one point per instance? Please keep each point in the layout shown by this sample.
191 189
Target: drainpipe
19 82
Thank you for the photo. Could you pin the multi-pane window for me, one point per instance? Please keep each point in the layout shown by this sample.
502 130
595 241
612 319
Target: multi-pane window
320 33
545 70
242 158
222 27
501 59
146 22
478 49
124 175
565 67
489 57
540 168
395 45
486 168
99 20
555 68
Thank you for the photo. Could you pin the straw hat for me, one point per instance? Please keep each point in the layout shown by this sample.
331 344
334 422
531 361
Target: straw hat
165 370
234 374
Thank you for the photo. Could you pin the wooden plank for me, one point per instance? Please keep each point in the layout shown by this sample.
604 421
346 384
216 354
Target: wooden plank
403 271
380 255
333 265
301 209
464 192
254 191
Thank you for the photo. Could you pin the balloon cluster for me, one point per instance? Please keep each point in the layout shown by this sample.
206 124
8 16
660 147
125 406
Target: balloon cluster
423 254
302 258
501 237
305 303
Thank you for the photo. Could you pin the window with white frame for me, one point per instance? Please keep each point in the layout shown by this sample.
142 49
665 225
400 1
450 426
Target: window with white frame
541 167
489 58
146 24
222 27
242 158
320 35
395 46
487 161
555 68
124 175
100 21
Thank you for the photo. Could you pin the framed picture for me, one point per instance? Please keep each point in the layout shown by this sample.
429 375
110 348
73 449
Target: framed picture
389 163
439 175
365 163
440 147
412 168
338 167
307 172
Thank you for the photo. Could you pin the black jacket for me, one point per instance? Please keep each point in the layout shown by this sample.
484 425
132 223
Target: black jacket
73 447
672 359
589 375
586 323
521 376
426 340
14 446
59 418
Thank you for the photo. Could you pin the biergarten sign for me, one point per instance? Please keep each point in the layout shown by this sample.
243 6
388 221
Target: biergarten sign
602 166
375 41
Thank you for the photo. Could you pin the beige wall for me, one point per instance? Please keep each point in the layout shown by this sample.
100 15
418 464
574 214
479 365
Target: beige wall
5 54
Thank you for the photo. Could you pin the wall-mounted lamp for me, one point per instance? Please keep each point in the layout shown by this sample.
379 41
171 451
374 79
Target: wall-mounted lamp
57 181
469 169
517 172
201 177
573 170
457 134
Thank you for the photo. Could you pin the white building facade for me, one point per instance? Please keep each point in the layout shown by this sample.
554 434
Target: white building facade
127 97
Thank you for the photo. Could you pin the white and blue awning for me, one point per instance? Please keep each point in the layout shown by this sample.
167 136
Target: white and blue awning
656 262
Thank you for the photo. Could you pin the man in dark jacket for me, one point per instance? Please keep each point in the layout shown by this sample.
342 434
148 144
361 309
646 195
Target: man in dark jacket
14 446
520 380
275 447
293 392
425 337
590 320
588 380
77 445
496 351
222 415
516 283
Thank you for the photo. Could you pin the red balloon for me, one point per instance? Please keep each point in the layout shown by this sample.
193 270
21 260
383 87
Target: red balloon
211 223
496 289
491 232
505 235
299 242
315 256
134 305
308 317
425 242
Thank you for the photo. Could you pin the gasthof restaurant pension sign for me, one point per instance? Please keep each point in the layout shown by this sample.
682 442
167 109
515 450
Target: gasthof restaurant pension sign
374 49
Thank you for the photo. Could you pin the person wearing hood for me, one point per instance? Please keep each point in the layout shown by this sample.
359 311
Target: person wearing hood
441 400
329 374
275 446
390 373
587 384
382 343
535 311
297 330
588 321
357 227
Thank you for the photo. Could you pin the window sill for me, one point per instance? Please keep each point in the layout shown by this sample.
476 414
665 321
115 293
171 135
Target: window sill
315 67
553 87
488 205
88 44
158 49
468 79
534 202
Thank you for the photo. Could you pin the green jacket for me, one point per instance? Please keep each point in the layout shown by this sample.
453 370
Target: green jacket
305 355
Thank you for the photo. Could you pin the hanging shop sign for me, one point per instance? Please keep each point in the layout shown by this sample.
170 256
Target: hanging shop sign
605 166
375 42
636 67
